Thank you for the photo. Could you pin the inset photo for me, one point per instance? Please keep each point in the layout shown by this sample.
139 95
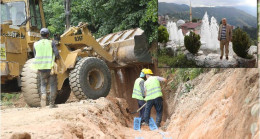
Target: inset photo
207 34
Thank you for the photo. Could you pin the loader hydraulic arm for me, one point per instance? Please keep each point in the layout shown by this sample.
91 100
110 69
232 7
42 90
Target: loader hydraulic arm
85 38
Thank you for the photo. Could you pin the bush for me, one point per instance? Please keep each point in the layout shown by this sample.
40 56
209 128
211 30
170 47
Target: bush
7 99
182 75
192 43
179 61
163 35
241 43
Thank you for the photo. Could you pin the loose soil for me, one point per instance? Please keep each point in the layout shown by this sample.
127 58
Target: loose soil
222 104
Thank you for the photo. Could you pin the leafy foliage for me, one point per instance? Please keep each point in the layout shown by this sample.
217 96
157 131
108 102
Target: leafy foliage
182 75
241 43
54 15
195 20
179 61
252 32
7 98
188 88
163 35
192 43
104 16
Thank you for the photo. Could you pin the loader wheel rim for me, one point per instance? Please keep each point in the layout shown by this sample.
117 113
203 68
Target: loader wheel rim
95 79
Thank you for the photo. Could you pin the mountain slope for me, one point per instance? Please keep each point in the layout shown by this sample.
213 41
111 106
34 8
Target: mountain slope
221 105
248 9
234 16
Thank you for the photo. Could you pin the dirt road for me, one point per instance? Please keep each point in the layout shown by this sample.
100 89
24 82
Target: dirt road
102 118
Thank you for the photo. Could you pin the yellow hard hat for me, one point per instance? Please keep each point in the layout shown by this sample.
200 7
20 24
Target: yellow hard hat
148 71
143 69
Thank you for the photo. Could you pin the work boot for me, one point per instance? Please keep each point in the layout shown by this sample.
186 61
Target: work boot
52 101
52 105
43 100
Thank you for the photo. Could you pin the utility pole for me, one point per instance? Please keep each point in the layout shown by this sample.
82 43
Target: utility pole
190 12
67 13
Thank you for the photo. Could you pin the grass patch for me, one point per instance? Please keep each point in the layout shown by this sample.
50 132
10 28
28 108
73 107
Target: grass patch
7 98
181 75
179 61
249 56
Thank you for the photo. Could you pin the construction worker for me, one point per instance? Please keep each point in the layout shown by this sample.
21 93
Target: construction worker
45 52
153 96
138 93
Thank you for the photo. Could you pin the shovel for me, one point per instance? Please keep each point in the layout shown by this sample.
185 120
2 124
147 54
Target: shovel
138 109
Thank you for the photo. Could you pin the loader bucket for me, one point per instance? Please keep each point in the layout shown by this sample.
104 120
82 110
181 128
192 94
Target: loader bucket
128 47
141 49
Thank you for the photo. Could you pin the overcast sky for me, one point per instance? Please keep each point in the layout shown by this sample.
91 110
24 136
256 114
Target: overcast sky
203 3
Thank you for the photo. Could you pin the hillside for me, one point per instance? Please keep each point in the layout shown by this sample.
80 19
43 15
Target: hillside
234 16
223 103
249 10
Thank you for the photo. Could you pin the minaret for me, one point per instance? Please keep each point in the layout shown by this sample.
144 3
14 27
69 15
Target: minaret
190 13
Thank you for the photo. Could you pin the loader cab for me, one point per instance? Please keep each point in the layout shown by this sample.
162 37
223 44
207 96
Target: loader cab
27 13
36 15
13 13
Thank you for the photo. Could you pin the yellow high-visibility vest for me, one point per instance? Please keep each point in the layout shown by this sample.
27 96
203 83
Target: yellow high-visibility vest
153 88
137 92
44 58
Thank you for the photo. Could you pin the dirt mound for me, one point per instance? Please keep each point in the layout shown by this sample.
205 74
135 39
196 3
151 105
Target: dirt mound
101 118
219 106
90 118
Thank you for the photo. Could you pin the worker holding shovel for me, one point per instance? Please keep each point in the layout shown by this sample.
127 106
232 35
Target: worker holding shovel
138 93
153 96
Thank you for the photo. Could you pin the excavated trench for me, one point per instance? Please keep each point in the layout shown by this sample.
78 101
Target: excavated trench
222 104
122 86
102 118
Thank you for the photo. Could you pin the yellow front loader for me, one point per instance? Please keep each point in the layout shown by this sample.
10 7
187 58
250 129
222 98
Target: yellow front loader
86 60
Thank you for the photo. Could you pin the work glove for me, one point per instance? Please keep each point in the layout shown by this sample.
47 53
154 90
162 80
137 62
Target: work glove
54 69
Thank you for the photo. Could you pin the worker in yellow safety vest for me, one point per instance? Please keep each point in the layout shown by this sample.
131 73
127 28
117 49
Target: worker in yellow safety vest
45 52
138 93
153 96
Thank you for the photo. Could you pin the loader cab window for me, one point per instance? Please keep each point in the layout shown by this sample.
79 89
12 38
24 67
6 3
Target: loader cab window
13 13
35 14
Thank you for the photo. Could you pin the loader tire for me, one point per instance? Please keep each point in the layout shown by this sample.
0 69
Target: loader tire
90 79
30 82
30 85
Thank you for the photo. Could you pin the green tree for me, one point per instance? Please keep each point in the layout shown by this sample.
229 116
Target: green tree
241 43
163 35
195 20
192 42
54 15
104 16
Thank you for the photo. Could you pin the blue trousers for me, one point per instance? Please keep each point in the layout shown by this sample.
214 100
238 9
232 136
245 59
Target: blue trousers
141 114
158 104
45 78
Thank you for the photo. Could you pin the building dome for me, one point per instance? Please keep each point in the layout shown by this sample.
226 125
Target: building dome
180 22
